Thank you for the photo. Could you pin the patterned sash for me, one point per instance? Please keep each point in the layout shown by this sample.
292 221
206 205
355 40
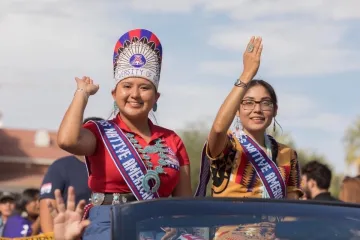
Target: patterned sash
265 168
204 175
127 160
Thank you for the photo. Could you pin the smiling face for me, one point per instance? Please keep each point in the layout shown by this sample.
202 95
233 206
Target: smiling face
7 207
33 207
135 97
257 109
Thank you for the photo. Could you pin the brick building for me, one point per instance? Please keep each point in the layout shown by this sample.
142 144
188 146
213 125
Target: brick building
25 156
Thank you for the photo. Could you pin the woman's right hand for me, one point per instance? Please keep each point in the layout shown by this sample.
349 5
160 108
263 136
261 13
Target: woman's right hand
68 222
251 58
87 84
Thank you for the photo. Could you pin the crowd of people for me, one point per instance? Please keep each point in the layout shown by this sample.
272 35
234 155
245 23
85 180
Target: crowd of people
129 158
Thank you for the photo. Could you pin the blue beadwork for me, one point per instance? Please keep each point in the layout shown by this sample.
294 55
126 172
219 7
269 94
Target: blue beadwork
151 149
137 145
162 162
154 176
130 135
159 169
133 140
151 175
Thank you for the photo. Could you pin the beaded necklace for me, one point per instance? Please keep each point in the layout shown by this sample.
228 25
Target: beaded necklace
152 174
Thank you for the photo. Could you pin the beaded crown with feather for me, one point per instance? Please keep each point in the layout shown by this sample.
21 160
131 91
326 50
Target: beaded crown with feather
138 53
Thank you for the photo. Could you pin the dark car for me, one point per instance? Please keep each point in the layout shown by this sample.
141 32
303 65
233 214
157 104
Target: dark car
224 218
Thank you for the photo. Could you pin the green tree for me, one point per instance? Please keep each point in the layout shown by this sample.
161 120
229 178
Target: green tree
284 138
307 155
194 136
352 144
304 155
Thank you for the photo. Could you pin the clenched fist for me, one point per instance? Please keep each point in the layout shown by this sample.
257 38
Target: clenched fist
87 84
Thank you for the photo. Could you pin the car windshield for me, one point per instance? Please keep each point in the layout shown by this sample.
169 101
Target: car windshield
242 226
231 219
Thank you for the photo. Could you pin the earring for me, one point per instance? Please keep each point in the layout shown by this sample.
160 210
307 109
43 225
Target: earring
237 123
274 126
115 107
155 107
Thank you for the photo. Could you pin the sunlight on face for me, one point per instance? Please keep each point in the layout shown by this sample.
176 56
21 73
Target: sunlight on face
135 97
257 109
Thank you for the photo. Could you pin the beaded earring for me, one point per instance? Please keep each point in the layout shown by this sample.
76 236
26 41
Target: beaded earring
237 123
274 126
155 107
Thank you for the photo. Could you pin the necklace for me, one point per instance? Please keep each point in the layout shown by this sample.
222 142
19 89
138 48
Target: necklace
152 174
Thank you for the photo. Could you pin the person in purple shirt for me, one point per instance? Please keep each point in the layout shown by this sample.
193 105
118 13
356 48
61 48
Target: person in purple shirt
17 226
25 221
7 206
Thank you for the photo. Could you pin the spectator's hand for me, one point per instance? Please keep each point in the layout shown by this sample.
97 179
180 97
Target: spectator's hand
68 223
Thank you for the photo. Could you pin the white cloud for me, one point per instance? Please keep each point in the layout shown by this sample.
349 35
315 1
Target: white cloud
192 103
314 41
61 35
188 103
325 121
223 68
319 9
300 37
165 6
249 9
304 112
295 105
44 45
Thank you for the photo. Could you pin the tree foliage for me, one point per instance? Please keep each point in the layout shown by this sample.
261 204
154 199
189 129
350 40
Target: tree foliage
352 143
307 155
194 137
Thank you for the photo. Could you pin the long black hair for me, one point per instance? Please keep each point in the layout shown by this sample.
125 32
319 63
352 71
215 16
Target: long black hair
27 196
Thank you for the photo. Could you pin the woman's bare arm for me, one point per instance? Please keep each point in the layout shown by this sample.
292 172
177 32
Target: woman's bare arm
71 136
183 189
218 134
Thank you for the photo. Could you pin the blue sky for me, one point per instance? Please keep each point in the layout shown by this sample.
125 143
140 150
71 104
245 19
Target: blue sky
311 56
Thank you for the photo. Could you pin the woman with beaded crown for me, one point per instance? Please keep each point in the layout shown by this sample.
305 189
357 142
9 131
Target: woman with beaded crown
245 161
128 158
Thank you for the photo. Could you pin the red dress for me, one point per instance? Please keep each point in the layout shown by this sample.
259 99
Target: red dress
104 177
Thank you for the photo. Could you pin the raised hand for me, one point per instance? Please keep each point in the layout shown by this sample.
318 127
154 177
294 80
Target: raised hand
68 223
87 84
251 57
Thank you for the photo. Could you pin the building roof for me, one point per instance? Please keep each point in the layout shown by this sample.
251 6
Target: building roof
21 183
33 145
